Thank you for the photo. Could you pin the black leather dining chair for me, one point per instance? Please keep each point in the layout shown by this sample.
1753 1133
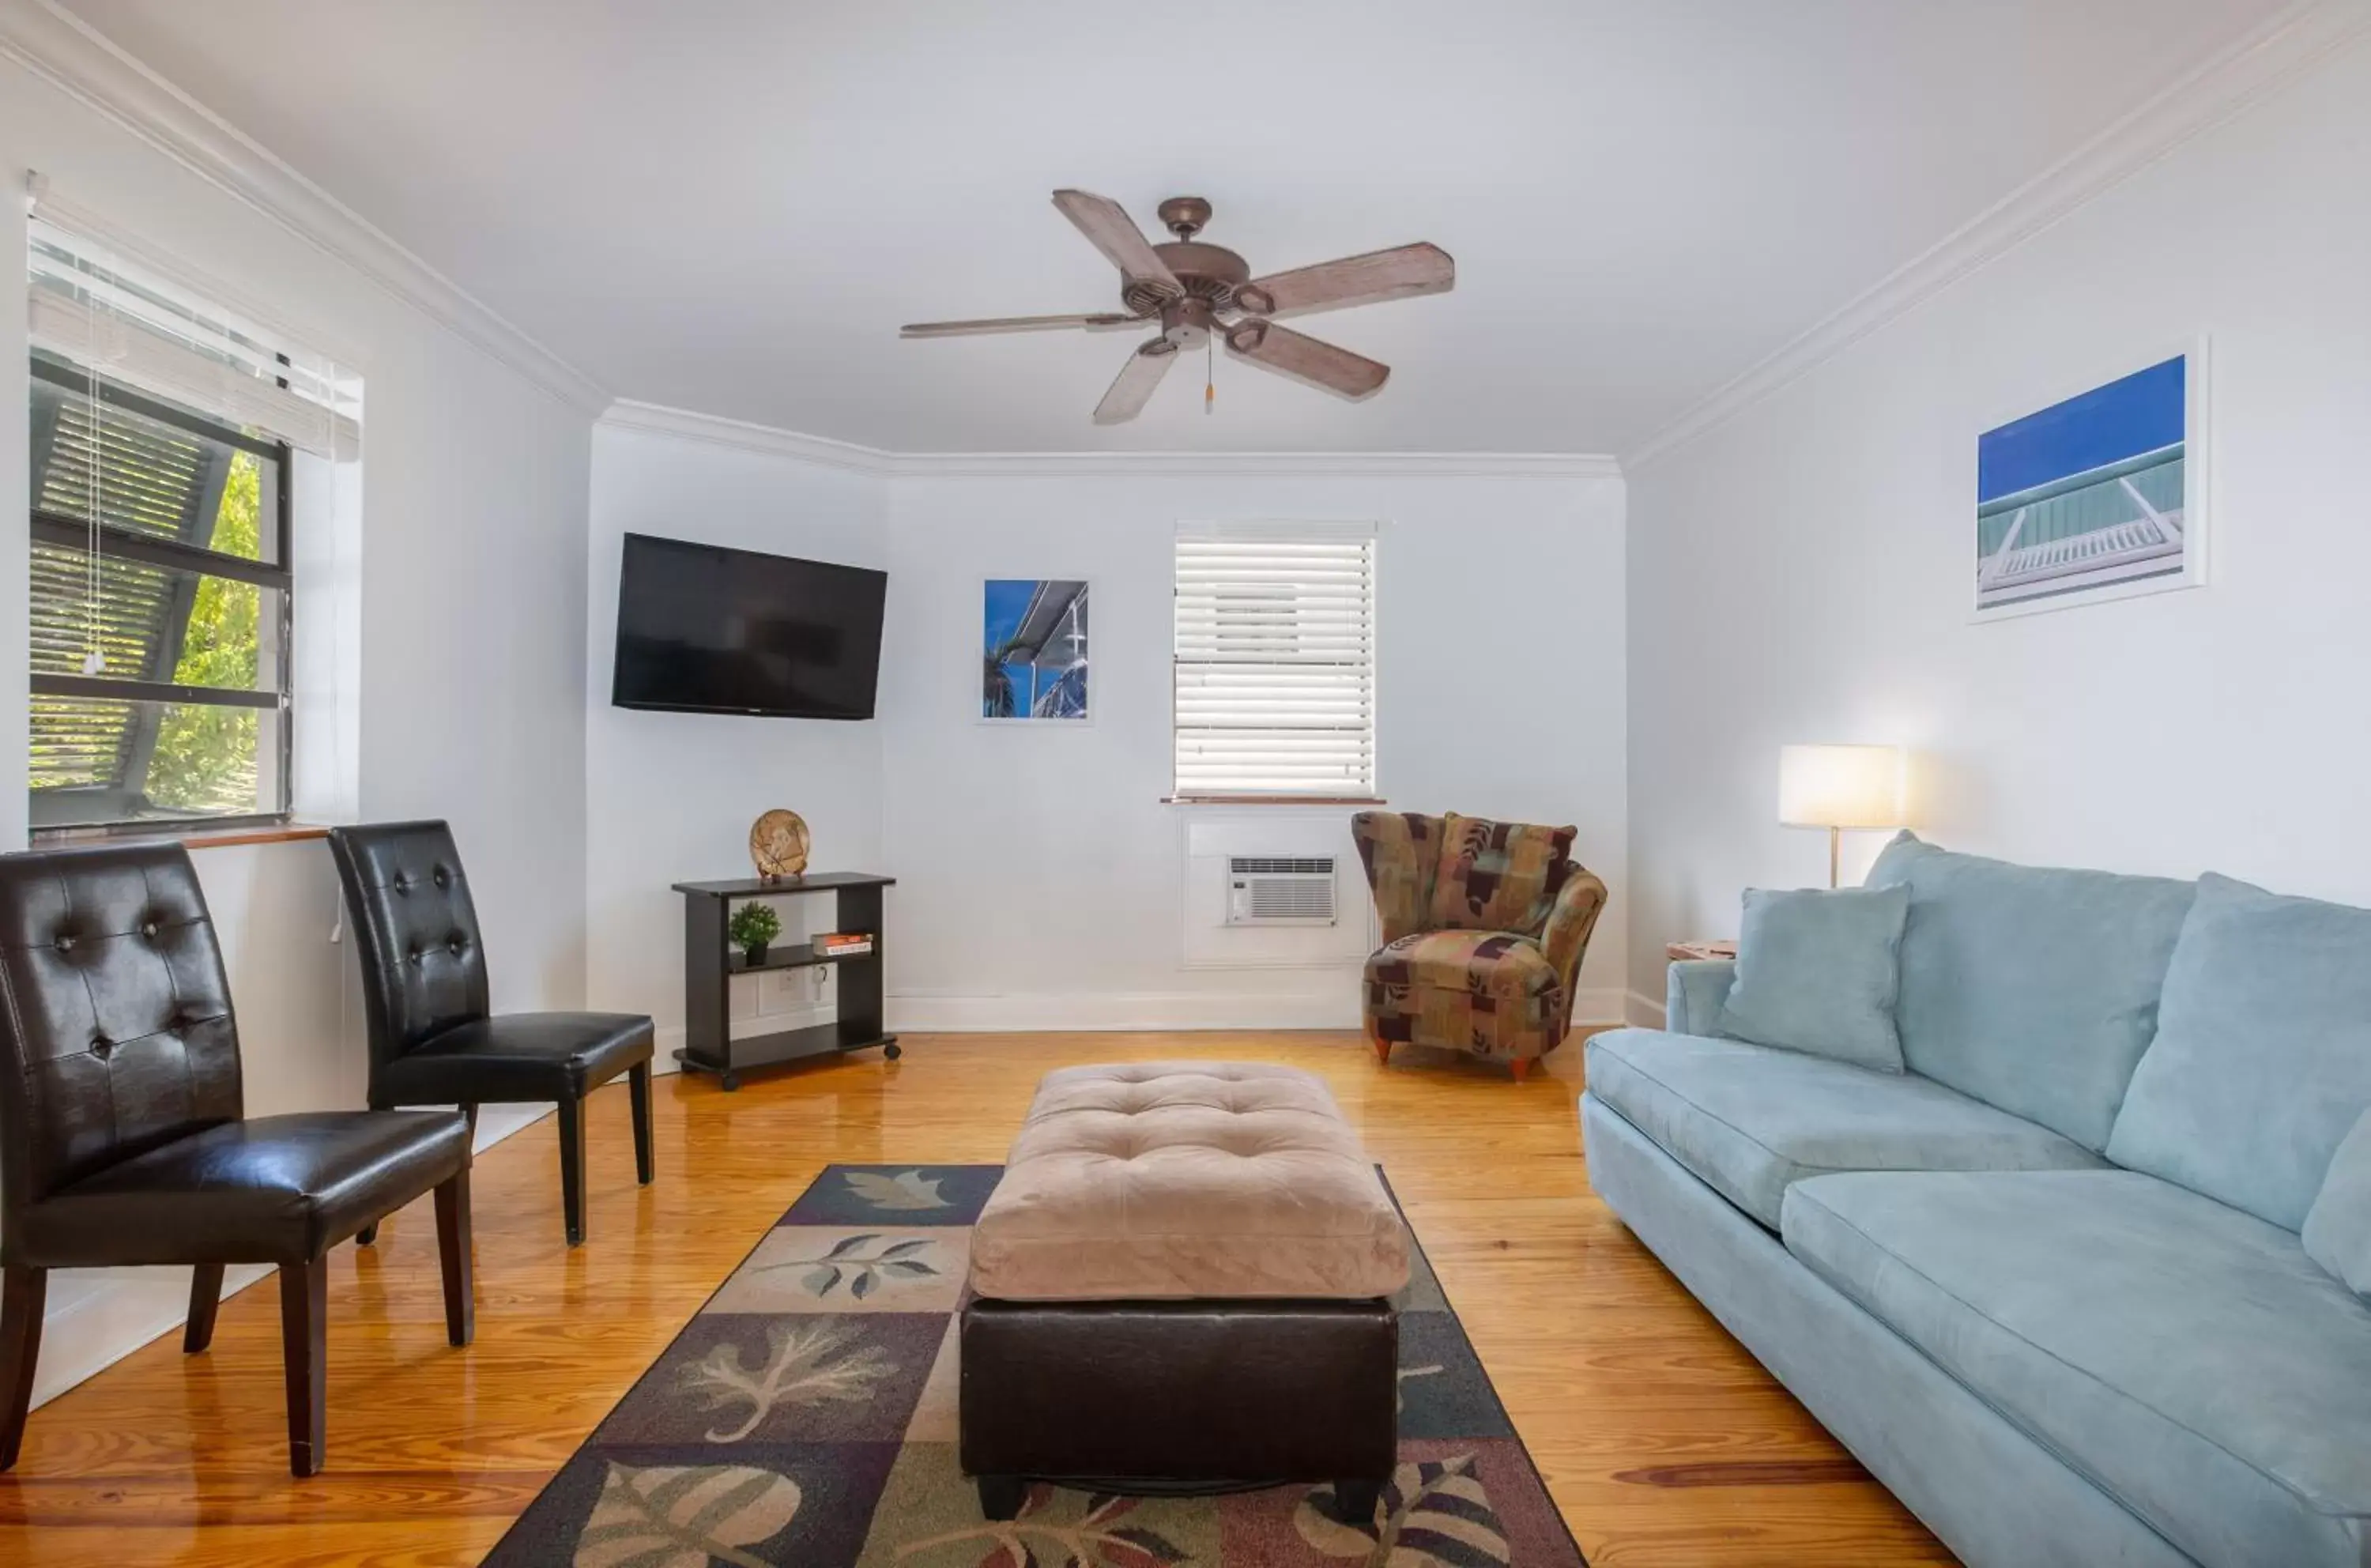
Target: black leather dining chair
433 1038
122 1138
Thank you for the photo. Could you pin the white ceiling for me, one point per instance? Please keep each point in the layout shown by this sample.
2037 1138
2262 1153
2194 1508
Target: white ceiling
729 206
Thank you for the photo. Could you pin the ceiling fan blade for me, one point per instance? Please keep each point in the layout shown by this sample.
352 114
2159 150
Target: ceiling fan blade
1133 387
1013 323
1402 274
1109 228
1306 360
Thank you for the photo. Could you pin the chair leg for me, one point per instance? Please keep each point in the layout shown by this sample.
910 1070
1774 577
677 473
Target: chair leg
452 1256
1382 1046
638 1084
206 1295
1521 1067
367 1235
22 1296
572 1168
305 1347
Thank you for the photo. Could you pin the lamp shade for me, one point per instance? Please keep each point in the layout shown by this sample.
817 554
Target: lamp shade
1840 786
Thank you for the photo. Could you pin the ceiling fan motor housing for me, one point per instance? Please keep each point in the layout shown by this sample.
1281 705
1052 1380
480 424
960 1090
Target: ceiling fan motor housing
1211 273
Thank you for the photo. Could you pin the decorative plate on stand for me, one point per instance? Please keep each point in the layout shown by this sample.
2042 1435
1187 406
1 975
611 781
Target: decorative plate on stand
778 843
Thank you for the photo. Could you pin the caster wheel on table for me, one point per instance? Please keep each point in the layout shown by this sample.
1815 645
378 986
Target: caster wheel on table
890 1052
730 1081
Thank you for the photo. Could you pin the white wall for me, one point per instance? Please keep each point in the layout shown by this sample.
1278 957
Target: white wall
1038 871
471 683
1039 875
669 797
1801 573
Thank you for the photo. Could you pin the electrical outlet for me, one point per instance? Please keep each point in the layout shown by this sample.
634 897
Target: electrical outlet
777 991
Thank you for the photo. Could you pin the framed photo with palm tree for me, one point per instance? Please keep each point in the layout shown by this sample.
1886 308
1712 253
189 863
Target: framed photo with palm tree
1034 641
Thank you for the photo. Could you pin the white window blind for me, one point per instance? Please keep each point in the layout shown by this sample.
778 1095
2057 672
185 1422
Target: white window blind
88 307
1275 666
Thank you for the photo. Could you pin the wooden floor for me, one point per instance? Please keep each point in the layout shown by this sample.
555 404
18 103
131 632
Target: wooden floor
1661 1440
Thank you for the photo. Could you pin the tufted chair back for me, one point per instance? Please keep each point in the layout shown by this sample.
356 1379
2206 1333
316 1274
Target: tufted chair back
423 966
116 1034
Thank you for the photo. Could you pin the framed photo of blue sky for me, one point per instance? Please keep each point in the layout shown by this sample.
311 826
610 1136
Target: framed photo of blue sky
1034 641
2098 496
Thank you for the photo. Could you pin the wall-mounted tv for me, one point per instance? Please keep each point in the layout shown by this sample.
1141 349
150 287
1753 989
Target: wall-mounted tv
704 630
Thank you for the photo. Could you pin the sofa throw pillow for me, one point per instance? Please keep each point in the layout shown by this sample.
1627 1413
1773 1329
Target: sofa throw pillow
1816 972
2262 1061
2338 1226
1498 876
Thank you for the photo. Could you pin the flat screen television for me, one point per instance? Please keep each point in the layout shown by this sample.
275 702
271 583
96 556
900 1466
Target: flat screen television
705 629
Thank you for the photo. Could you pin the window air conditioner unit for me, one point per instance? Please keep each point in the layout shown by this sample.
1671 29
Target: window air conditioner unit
1263 891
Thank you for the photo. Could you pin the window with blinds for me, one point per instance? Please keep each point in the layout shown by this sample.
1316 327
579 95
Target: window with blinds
162 445
1275 664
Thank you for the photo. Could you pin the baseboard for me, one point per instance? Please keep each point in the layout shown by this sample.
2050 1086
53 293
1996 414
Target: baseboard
97 1317
1642 1011
1076 1011
1139 1010
1599 1008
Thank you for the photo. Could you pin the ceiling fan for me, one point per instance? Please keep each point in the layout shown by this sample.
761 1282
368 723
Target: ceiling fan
1195 290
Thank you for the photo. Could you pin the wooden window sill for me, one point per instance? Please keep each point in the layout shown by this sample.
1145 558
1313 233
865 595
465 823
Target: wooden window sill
189 838
1273 800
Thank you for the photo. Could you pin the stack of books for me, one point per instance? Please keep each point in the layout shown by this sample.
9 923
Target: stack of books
843 944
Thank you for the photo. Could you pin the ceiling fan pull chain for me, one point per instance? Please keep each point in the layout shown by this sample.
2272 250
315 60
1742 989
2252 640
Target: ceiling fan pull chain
1209 376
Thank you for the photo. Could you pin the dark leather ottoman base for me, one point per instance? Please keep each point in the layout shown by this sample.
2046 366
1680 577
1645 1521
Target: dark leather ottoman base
1178 1395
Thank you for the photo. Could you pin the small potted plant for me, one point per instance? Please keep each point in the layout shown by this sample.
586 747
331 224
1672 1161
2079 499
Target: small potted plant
752 927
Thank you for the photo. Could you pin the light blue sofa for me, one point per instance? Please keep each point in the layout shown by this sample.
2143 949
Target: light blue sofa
2062 1311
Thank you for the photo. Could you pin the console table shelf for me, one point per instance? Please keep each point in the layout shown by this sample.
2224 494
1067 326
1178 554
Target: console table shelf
798 955
710 963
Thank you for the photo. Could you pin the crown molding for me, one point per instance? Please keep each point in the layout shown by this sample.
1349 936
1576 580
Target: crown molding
657 419
714 429
2281 49
68 53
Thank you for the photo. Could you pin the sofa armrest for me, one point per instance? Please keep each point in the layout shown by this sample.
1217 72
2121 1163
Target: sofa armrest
1564 935
1694 992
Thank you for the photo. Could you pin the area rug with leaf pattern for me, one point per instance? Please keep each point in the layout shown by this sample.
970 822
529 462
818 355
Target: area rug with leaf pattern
805 1418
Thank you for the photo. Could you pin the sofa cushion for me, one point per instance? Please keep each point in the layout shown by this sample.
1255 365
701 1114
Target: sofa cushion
2188 1358
1498 876
1748 1120
2262 1058
1816 973
2338 1228
2034 989
1493 963
1489 993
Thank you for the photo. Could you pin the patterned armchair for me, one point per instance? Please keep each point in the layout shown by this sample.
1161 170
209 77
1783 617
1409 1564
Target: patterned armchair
1484 925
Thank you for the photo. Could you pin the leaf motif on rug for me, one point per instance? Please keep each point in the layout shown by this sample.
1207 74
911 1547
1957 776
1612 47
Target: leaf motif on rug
907 1190
1433 1515
898 1263
804 1366
1042 1536
683 1516
1400 1393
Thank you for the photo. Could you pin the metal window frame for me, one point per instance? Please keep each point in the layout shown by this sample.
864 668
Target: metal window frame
57 529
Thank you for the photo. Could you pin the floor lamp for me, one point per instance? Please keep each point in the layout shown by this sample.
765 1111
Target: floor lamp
1840 786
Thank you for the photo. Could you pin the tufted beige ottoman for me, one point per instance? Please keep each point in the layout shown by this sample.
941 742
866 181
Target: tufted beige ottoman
1182 1284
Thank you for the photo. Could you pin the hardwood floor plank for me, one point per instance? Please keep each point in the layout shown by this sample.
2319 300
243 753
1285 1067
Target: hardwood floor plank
1660 1438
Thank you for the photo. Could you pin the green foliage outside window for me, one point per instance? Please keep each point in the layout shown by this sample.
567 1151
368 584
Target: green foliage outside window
205 759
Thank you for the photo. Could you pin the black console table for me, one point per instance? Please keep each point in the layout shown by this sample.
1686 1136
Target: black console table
710 963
